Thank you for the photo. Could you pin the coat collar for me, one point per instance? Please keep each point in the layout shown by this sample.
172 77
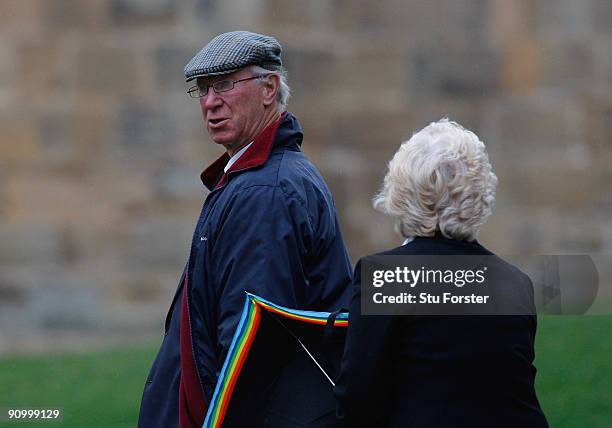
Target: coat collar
257 155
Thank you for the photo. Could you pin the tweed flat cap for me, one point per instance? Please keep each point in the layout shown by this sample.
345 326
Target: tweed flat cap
229 52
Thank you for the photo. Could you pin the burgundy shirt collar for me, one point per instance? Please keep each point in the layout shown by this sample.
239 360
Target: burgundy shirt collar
213 176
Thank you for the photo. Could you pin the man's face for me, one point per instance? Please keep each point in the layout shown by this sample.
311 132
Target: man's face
233 118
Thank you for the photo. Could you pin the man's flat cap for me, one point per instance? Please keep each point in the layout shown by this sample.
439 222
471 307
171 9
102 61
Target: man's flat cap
229 52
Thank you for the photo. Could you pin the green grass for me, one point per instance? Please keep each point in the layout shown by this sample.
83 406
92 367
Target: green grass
94 390
574 361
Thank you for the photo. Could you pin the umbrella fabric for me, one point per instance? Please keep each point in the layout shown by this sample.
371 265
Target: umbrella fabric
269 379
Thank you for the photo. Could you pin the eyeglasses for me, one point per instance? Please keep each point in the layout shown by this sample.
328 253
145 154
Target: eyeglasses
220 86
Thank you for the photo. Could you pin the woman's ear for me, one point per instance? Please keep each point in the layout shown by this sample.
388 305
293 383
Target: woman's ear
270 87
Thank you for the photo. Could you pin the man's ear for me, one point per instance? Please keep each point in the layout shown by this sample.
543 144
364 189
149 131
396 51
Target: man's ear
270 87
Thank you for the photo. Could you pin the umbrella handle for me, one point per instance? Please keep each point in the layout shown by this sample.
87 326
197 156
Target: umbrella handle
329 326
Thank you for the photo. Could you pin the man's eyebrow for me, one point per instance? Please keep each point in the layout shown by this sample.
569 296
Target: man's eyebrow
210 82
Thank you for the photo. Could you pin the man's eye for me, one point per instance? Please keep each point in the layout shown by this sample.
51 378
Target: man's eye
223 85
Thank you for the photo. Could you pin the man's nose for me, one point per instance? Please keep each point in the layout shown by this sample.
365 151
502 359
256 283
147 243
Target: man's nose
210 100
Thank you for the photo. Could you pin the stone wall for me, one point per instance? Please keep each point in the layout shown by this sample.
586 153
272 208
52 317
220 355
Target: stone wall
100 148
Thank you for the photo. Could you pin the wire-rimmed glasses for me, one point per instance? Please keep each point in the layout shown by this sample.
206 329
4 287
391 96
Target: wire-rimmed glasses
220 86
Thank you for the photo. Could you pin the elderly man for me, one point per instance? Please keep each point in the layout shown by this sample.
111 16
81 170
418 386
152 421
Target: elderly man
268 226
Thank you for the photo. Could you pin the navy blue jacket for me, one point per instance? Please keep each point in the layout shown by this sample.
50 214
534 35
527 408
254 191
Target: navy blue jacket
269 227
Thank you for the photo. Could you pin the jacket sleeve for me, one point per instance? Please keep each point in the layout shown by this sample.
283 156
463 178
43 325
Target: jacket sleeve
362 389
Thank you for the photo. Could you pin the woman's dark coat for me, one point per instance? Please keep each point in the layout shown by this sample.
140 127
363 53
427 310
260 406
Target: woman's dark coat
440 371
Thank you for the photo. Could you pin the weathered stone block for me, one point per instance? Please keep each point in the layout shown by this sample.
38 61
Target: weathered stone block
308 71
157 242
602 16
144 132
170 62
598 132
90 128
22 17
535 130
20 143
29 245
65 305
65 14
471 73
358 131
568 66
142 11
39 70
206 8
112 70
522 65
12 293
565 20
172 184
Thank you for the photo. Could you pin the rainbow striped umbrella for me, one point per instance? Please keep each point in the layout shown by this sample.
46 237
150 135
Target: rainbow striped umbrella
279 368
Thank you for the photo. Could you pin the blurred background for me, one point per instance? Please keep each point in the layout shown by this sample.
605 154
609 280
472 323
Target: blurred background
101 150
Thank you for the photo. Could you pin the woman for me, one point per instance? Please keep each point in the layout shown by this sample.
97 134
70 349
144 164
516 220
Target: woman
439 371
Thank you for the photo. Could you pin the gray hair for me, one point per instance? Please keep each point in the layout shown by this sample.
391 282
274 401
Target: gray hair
439 180
284 91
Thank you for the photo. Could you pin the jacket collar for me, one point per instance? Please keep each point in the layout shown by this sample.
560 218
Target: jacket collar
279 133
